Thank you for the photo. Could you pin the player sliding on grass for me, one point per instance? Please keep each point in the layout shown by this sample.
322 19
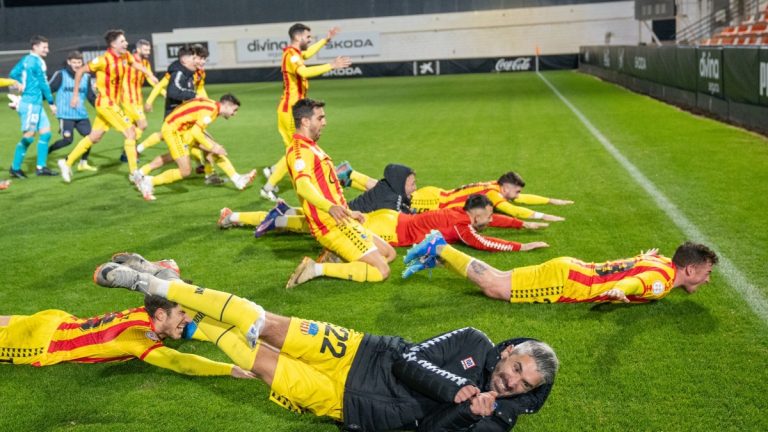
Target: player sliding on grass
455 381
507 188
54 336
645 277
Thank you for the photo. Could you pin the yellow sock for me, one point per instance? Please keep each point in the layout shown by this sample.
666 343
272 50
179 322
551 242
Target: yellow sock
151 140
357 271
79 150
225 164
130 153
229 339
359 180
225 307
139 133
455 259
146 169
251 218
293 223
280 169
167 176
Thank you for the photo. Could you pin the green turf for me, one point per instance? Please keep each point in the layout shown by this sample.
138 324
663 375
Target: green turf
685 363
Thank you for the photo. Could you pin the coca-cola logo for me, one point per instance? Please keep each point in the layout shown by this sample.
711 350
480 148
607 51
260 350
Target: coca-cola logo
518 64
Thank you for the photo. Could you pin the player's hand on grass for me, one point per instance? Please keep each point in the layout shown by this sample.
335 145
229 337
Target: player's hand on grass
483 404
238 372
650 252
535 225
616 294
341 62
466 393
556 201
333 32
552 218
533 245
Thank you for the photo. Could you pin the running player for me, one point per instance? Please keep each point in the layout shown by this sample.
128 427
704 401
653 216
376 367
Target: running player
110 71
458 380
132 98
330 220
30 73
645 277
295 86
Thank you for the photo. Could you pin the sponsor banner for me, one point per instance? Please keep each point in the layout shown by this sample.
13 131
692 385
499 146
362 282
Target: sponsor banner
762 82
741 73
640 63
165 54
686 70
260 49
519 64
352 45
426 67
710 68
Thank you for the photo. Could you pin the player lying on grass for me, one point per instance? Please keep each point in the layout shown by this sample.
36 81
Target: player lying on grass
54 336
401 229
507 188
645 277
455 381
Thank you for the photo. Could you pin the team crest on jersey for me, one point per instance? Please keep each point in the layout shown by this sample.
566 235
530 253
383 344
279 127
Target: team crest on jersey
468 363
207 119
309 328
658 288
294 58
152 336
299 165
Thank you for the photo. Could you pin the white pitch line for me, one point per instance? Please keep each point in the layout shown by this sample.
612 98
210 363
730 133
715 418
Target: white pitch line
735 278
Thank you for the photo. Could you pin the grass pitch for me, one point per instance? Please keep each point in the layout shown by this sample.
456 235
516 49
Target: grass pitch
684 363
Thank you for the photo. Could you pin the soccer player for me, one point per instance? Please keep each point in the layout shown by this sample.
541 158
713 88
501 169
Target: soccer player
54 336
331 222
295 86
30 73
645 277
458 380
110 70
188 122
133 99
70 119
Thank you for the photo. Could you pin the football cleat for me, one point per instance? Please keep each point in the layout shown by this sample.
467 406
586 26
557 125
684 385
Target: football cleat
418 265
268 224
224 221
267 171
303 273
45 172
243 180
268 194
169 264
343 172
147 188
426 248
17 173
84 166
327 256
141 264
5 184
214 180
66 170
114 275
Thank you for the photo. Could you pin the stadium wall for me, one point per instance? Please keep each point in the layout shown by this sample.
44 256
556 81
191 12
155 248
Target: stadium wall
728 83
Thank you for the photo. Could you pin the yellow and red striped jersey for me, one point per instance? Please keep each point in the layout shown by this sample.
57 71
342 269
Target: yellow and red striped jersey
199 111
110 71
306 159
432 198
116 336
642 278
199 82
294 86
134 80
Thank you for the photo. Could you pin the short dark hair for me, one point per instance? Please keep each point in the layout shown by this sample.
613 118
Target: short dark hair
477 201
153 302
200 50
37 39
143 42
229 97
511 178
75 55
693 253
184 50
296 29
305 108
112 35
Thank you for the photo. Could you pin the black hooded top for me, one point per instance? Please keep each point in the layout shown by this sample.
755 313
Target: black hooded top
389 192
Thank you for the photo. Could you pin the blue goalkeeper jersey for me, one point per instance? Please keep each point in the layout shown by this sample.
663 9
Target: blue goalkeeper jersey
30 71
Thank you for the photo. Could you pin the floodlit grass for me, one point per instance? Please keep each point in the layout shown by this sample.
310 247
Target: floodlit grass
685 363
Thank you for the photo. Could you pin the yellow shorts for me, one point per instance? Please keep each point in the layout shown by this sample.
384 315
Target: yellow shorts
286 126
426 199
383 223
176 142
313 366
134 112
350 241
111 116
26 338
543 283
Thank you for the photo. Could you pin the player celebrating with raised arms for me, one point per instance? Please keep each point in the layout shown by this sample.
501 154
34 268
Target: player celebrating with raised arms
110 70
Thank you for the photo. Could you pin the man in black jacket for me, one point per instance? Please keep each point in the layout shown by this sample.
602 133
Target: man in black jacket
181 86
456 381
392 192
